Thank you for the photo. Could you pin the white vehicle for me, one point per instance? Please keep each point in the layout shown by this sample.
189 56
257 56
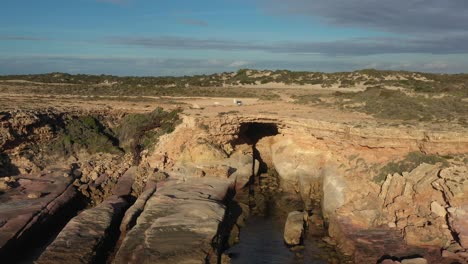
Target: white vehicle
237 102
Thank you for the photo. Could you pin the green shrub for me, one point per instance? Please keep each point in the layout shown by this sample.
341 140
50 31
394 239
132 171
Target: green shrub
87 133
137 132
347 83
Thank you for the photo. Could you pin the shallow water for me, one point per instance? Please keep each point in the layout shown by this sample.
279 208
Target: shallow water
261 241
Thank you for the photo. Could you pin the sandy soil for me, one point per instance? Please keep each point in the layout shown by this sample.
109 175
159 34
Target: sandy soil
284 108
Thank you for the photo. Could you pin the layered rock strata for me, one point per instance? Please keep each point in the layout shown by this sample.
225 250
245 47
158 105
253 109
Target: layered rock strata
179 223
88 237
32 206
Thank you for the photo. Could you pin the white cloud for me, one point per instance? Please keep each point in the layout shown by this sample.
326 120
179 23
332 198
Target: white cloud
240 63
435 66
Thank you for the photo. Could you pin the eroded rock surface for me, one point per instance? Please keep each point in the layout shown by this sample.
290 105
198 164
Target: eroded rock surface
85 238
137 208
88 236
31 207
179 223
412 209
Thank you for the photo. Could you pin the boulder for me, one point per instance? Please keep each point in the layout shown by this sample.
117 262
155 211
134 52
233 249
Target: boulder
414 261
294 228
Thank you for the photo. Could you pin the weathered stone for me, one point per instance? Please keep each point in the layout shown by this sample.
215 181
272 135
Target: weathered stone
334 187
294 228
201 152
34 195
438 209
135 210
94 175
23 217
4 186
414 261
124 185
425 236
84 238
454 247
178 224
395 188
293 161
459 222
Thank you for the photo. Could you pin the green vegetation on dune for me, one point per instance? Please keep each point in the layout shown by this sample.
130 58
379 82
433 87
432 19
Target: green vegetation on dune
455 84
395 104
218 84
131 90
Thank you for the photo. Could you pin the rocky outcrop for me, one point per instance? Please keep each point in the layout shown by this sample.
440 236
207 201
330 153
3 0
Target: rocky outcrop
86 238
407 201
328 165
429 204
18 129
238 168
97 174
19 126
179 223
294 228
32 206
387 141
454 186
412 208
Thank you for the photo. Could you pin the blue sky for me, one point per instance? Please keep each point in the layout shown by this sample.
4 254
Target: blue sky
184 37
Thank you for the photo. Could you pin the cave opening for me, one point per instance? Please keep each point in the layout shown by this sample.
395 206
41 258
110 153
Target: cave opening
251 133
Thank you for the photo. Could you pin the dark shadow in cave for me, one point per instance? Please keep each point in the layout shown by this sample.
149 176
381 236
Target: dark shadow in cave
251 133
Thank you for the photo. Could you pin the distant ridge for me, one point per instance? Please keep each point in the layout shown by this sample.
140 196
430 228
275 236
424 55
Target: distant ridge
366 77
